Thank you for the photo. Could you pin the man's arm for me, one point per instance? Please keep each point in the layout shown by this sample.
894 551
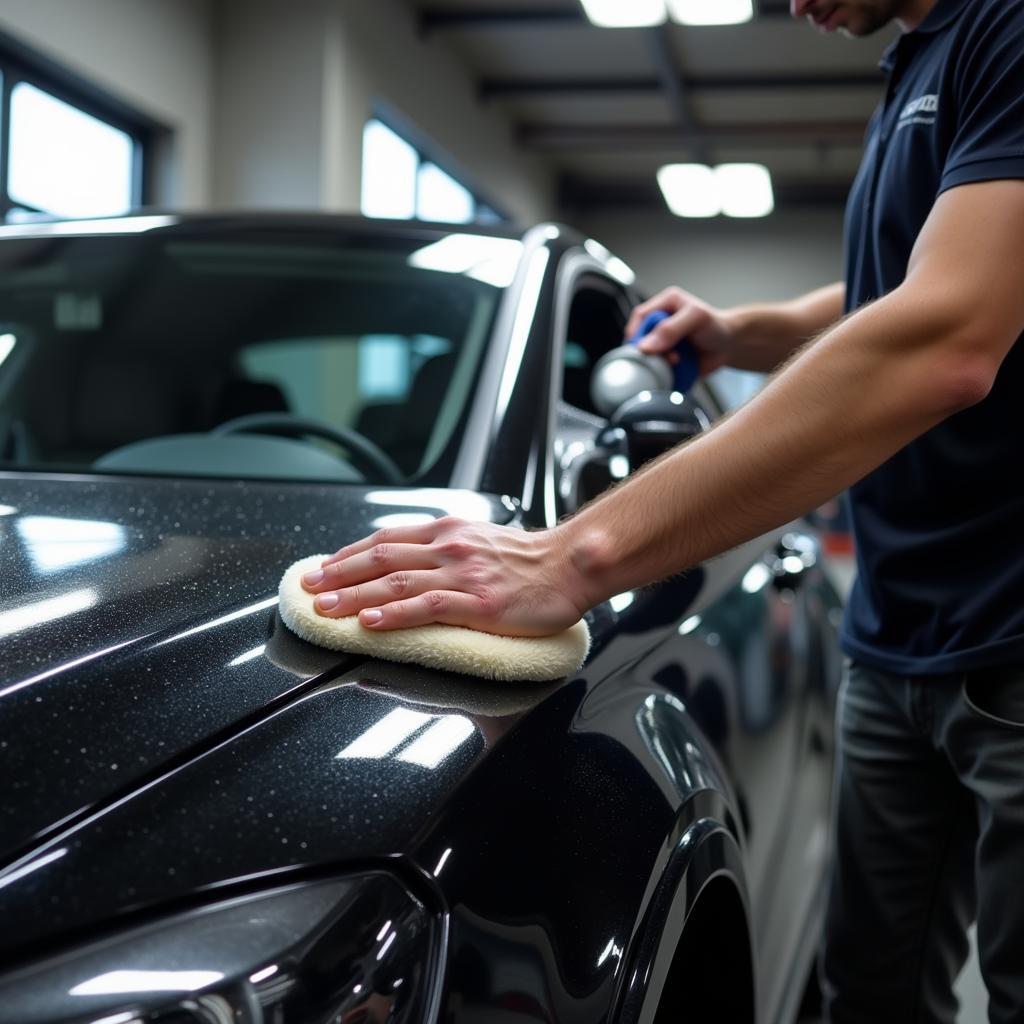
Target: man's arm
755 337
841 407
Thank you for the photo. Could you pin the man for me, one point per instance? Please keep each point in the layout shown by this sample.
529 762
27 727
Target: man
916 403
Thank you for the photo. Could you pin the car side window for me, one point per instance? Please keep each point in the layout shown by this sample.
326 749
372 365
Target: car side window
597 318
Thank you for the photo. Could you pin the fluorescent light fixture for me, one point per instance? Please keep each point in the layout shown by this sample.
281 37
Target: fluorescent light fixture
54 543
690 190
737 190
6 346
401 519
625 13
124 982
35 865
248 656
444 737
35 614
112 226
756 578
710 12
444 860
464 504
384 736
251 609
621 271
490 260
745 190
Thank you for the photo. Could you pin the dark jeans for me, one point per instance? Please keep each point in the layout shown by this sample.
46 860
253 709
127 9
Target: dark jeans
929 835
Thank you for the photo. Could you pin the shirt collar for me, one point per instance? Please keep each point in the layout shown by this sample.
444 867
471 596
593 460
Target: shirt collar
943 14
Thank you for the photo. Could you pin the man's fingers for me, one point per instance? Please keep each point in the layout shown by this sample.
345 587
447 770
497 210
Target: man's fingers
670 332
670 300
446 606
370 564
396 586
421 533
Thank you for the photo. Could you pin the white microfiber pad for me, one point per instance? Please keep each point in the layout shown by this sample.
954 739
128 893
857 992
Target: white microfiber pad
449 648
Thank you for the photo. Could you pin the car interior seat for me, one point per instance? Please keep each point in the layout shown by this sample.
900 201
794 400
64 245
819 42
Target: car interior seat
240 396
403 429
118 402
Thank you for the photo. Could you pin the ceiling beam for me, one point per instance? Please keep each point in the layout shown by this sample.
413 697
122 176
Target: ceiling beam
578 194
548 137
494 88
445 18
437 19
674 90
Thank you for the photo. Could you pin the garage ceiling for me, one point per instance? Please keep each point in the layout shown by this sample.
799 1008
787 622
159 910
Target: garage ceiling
607 107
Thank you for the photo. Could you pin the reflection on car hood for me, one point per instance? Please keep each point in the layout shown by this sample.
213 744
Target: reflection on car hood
135 616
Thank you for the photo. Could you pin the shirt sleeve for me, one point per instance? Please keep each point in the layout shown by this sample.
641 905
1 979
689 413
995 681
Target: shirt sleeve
989 140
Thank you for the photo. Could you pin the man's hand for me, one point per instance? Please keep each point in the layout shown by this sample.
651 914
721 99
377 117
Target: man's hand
707 328
495 578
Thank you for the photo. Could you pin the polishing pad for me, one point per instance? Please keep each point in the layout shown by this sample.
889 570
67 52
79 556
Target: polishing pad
449 648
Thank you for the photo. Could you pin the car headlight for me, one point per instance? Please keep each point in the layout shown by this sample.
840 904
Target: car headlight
354 949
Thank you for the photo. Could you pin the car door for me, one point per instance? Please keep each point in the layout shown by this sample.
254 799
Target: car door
743 642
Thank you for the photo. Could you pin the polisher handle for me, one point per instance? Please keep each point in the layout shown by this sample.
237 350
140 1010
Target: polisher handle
687 370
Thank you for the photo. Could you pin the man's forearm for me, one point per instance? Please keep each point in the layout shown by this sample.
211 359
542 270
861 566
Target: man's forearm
844 405
768 333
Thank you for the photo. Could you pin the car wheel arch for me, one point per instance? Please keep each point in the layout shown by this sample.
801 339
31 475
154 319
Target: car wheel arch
692 954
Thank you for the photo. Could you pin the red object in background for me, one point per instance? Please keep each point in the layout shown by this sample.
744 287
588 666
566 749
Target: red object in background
838 543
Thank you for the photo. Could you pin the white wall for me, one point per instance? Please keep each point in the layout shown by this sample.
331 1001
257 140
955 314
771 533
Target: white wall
154 55
296 84
268 107
267 98
726 262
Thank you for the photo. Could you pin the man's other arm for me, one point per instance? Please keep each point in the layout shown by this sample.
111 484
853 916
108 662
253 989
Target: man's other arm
753 337
838 409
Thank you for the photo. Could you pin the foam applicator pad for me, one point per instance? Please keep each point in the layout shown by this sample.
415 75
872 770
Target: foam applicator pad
449 648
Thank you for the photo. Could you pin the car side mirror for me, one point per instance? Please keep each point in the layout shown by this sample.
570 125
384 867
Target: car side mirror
588 468
652 422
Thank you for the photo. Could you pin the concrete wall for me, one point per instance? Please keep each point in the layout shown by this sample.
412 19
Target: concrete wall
268 107
296 84
155 55
726 262
267 98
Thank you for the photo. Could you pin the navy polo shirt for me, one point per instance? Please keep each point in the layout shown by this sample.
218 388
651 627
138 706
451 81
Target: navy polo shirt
939 527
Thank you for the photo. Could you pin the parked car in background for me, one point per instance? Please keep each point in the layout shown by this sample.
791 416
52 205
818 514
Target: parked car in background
206 819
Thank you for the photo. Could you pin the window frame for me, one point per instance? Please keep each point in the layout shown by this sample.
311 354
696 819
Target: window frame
427 153
20 63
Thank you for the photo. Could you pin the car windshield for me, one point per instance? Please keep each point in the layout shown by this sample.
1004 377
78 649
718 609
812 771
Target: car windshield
125 353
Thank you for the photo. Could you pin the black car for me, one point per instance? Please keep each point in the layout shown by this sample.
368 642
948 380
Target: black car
205 819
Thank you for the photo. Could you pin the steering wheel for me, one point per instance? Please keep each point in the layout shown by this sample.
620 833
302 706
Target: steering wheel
367 456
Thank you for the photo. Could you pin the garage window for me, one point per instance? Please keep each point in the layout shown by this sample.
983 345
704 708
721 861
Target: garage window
65 148
399 182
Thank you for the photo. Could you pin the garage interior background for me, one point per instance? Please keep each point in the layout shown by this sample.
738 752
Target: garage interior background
263 103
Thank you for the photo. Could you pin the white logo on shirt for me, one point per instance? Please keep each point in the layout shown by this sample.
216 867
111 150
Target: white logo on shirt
919 111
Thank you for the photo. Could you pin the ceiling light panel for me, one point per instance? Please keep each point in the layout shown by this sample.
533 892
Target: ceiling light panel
690 190
625 13
711 12
745 190
736 190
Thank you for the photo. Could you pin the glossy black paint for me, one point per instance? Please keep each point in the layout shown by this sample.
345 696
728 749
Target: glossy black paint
168 743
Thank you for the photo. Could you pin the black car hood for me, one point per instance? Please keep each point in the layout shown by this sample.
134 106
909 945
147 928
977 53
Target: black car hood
138 619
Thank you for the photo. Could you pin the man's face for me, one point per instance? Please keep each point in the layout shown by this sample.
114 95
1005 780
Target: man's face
852 17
